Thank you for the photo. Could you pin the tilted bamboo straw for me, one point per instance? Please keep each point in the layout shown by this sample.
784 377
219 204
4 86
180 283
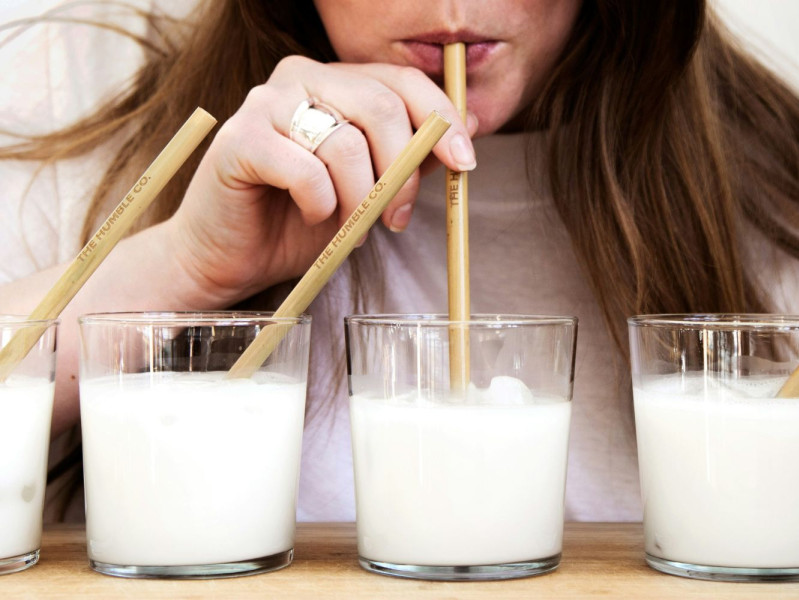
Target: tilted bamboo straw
457 229
790 389
343 243
118 222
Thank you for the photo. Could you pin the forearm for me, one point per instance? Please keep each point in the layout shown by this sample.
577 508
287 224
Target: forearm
138 274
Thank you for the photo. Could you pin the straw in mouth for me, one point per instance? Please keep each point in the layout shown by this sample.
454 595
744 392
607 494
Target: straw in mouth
457 229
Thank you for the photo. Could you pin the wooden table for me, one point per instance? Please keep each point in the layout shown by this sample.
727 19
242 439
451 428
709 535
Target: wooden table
599 559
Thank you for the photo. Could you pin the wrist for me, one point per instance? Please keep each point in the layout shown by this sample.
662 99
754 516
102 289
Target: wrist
193 287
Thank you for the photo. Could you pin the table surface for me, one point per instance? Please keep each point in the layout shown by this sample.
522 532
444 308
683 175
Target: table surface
599 559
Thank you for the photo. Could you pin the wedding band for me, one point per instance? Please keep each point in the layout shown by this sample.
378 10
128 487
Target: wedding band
313 122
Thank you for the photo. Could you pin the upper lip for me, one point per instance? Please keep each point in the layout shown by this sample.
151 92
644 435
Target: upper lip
450 37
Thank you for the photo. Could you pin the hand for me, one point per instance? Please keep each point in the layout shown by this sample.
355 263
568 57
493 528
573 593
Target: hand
260 207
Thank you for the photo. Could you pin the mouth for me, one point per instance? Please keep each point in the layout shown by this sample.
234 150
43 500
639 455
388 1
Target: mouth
426 52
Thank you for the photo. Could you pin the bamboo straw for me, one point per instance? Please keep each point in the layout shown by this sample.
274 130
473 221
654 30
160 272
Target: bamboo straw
790 389
457 229
118 222
343 243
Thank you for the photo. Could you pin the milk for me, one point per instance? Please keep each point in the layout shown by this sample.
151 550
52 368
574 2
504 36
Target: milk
719 472
26 406
190 468
448 482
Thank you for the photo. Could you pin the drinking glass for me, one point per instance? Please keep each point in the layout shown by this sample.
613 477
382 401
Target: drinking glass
718 444
190 473
26 407
457 483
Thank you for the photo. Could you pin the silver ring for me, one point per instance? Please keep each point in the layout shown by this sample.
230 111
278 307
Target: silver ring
313 122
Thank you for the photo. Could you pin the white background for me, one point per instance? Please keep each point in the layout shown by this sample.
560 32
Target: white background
770 29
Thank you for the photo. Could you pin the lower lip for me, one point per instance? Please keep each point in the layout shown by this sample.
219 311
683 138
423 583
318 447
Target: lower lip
430 57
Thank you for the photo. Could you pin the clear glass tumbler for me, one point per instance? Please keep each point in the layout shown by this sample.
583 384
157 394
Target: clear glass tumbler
718 444
26 408
188 473
454 483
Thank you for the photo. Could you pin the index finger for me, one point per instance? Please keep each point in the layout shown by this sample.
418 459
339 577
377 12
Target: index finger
421 96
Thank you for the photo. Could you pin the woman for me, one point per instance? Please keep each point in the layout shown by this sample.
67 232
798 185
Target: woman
643 164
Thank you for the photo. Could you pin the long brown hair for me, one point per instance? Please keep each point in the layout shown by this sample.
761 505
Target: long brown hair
664 139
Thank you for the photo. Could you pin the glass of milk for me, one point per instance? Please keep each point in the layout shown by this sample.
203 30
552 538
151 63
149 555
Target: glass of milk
453 483
718 445
188 473
26 407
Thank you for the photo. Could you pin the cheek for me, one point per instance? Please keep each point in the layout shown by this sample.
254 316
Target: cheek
543 51
348 24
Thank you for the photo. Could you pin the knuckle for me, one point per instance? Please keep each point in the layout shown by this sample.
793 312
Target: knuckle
260 95
228 133
291 63
412 77
350 144
234 137
312 182
384 104
289 73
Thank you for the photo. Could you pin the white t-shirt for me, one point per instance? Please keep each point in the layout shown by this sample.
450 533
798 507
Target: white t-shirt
521 262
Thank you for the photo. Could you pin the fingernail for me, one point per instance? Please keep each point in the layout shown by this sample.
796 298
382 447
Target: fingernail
362 241
401 218
462 153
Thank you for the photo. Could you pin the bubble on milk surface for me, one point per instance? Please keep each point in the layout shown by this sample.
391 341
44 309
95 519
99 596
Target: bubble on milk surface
507 391
728 386
502 391
216 379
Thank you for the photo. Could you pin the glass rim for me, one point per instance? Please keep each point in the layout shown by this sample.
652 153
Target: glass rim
7 320
184 318
716 320
442 320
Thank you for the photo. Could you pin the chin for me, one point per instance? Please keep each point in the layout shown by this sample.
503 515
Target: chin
489 119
